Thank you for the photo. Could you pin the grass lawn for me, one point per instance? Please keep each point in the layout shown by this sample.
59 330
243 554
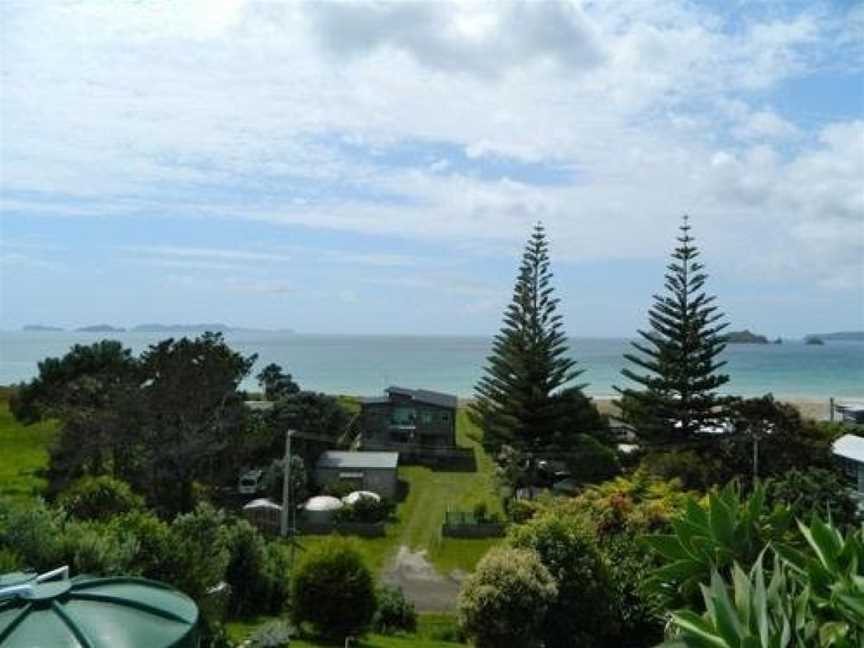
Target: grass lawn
430 494
429 627
23 451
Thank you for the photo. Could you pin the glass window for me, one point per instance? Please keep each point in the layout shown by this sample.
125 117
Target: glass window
445 417
403 416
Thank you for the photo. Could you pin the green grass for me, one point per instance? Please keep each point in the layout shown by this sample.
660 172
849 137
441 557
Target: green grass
429 627
23 452
430 494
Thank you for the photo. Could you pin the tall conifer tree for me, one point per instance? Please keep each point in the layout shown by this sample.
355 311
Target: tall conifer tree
516 400
677 359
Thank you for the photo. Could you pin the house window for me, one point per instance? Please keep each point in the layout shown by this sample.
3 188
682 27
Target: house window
445 417
403 416
425 416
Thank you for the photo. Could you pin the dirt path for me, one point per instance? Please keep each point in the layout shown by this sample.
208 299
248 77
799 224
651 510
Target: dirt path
422 585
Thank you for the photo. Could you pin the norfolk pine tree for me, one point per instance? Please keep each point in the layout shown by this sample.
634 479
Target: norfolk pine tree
678 370
516 400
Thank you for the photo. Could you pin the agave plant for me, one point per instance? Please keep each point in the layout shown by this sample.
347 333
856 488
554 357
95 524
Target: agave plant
711 538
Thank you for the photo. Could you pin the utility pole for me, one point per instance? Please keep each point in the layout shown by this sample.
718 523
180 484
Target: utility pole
286 484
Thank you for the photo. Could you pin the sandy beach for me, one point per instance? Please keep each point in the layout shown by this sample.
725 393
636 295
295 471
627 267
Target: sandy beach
809 408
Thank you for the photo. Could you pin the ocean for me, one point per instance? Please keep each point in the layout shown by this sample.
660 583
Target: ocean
366 364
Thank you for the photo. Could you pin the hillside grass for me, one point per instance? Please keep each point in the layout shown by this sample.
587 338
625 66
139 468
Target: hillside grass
420 515
23 454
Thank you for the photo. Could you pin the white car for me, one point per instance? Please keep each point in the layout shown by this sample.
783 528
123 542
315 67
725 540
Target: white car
250 482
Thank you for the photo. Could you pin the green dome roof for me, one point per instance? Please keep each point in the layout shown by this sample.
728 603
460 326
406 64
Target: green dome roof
88 612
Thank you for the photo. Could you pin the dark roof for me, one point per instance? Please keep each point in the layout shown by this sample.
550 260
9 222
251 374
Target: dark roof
426 396
334 459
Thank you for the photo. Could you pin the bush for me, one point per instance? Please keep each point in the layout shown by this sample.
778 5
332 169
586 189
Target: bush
10 561
580 612
256 572
505 601
34 533
99 498
333 590
367 510
695 470
199 551
94 548
814 490
595 462
394 612
481 510
155 555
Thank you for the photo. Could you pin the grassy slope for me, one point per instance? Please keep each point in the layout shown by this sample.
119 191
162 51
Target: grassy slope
430 494
23 451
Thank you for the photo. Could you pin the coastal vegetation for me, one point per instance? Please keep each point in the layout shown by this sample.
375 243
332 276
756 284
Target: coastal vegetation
697 520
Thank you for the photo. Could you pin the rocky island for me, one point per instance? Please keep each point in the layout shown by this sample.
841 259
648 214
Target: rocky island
745 337
100 328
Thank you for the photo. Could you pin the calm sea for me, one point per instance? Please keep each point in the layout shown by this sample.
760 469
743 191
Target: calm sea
352 364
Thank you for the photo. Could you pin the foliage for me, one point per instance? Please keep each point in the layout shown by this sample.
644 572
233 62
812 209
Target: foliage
579 414
395 613
276 634
10 560
257 573
591 461
786 440
677 394
191 414
274 479
814 491
367 510
95 548
200 550
711 537
33 532
813 599
636 504
580 612
155 557
516 401
333 590
99 498
697 470
506 600
276 383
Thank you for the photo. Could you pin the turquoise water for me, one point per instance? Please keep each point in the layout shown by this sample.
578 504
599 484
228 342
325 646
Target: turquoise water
366 364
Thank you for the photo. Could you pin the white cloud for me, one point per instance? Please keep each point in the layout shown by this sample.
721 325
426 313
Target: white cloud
242 110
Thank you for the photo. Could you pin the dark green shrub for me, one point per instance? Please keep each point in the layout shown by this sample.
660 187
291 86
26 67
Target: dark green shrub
257 576
593 461
814 491
580 612
10 561
395 613
199 551
333 590
481 510
506 600
34 532
155 556
697 471
367 510
99 498
94 548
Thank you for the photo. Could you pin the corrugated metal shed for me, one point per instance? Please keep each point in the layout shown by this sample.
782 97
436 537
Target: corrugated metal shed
358 460
850 446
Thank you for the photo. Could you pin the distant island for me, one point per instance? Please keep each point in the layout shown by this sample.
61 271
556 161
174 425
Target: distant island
745 337
39 328
854 336
100 328
814 340
175 328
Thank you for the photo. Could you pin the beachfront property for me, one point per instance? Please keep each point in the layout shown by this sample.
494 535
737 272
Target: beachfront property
409 418
359 471
849 452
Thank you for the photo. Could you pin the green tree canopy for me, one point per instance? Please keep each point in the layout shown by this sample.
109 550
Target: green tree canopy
676 366
276 383
516 402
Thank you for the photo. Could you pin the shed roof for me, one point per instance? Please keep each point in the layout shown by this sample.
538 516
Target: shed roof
850 446
336 459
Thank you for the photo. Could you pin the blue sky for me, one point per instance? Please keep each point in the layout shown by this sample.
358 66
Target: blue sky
375 167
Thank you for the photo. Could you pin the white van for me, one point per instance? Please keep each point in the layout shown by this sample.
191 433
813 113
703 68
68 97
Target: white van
251 482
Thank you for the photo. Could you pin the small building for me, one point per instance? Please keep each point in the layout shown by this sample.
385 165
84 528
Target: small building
409 418
849 451
264 514
850 412
373 471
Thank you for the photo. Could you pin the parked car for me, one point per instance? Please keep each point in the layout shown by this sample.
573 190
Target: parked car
251 482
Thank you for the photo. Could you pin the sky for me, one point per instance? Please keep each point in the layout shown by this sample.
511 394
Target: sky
376 167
